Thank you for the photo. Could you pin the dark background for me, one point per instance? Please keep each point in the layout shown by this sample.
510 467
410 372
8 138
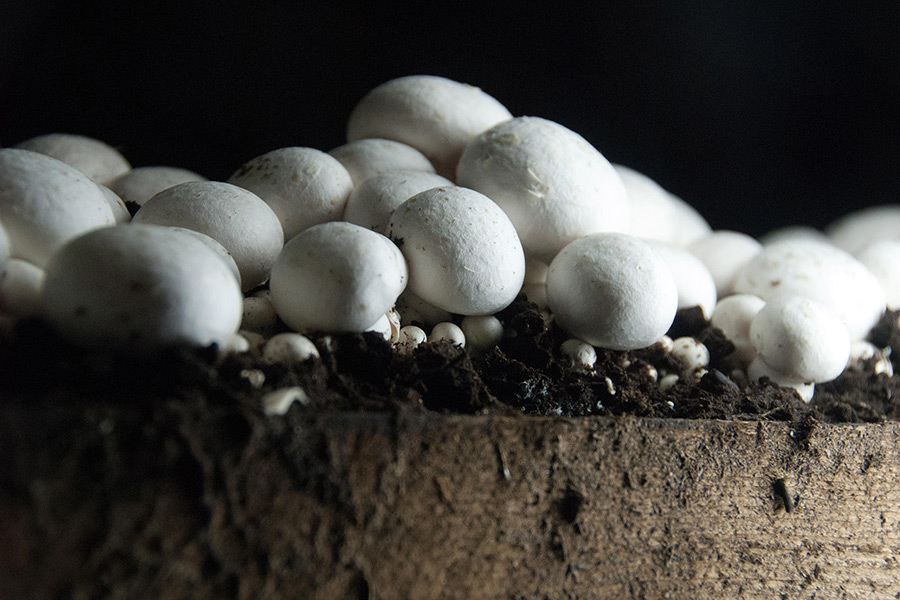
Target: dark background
759 114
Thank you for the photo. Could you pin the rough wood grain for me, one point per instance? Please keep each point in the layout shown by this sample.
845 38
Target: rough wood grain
418 505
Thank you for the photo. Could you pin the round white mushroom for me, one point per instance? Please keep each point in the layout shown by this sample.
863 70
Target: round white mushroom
20 289
692 353
140 287
413 309
303 186
289 348
336 277
463 253
449 332
372 202
882 259
44 202
792 232
410 338
581 354
552 183
142 183
116 205
259 316
656 214
483 331
733 315
613 291
234 217
725 253
695 283
801 338
97 160
372 156
857 229
818 271
435 115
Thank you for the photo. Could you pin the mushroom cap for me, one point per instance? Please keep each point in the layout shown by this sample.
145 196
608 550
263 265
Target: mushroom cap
434 115
372 156
141 287
554 186
97 160
801 338
20 289
236 218
882 259
372 202
44 202
857 229
733 315
336 277
142 183
116 205
724 253
759 369
612 291
818 271
695 283
463 252
304 186
656 214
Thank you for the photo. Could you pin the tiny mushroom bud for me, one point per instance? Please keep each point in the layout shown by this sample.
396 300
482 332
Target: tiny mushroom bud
259 316
303 186
667 382
409 338
801 338
234 217
372 202
552 183
336 277
372 156
20 289
582 354
463 253
255 340
724 253
655 214
694 281
692 353
482 331
612 291
139 185
141 287
45 202
237 344
435 115
759 369
99 161
289 348
733 315
818 271
862 351
447 332
278 402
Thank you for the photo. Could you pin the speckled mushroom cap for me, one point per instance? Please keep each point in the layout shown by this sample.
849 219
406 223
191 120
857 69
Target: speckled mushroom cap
304 186
554 186
372 202
368 157
463 252
818 271
236 218
435 115
140 287
613 291
44 202
97 160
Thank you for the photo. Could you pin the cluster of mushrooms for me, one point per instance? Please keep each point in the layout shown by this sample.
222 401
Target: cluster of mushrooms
439 211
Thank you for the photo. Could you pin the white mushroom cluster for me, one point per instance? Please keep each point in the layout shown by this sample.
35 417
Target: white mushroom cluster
441 208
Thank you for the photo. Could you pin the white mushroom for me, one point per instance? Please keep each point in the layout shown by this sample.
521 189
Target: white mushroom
882 259
97 160
656 214
259 316
580 353
140 287
116 205
857 229
372 202
45 202
725 253
234 217
759 369
792 232
449 332
612 291
435 115
289 348
801 338
463 253
695 283
303 186
278 402
483 331
413 309
862 351
552 183
733 315
410 338
20 289
692 353
372 156
818 271
336 277
142 183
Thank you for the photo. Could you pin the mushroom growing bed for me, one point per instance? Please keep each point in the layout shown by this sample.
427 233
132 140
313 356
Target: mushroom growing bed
338 375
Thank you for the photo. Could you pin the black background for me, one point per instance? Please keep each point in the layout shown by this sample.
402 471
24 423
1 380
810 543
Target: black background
759 114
